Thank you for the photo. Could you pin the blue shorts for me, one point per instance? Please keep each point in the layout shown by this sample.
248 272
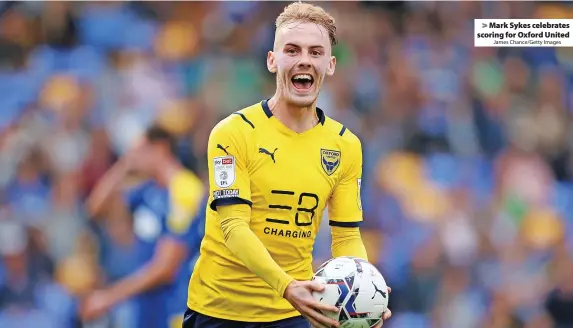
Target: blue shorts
194 319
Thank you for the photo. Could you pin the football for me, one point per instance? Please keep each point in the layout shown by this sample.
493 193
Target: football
356 287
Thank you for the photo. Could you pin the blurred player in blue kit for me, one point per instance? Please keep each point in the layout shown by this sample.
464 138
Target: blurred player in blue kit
168 223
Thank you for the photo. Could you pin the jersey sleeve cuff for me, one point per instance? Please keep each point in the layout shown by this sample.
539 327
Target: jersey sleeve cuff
229 201
283 284
342 224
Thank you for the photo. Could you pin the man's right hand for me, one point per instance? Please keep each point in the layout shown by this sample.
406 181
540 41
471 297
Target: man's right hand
132 157
107 185
299 294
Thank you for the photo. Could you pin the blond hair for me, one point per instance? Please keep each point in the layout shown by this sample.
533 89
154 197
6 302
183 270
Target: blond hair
307 13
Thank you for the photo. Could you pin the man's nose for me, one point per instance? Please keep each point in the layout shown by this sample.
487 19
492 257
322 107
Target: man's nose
304 60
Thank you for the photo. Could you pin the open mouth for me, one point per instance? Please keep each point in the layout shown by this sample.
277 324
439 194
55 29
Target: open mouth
302 81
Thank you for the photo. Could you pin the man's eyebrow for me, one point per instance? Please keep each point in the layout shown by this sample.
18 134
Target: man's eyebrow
296 45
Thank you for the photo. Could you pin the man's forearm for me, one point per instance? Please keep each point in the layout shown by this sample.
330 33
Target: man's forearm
140 282
105 188
162 269
249 249
348 242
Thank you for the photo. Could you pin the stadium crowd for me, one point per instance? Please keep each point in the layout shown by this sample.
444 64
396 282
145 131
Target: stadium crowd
468 167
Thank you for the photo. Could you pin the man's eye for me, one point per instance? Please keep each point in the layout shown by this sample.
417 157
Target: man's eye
291 51
316 53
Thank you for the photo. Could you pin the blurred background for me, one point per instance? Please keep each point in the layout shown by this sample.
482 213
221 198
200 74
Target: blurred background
468 168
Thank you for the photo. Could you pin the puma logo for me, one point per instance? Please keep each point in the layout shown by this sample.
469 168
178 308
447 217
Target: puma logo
266 152
377 290
223 148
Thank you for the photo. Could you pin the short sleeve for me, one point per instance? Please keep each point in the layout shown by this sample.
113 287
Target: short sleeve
229 181
186 200
133 196
345 205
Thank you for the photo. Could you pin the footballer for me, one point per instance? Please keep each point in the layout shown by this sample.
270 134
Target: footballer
273 169
168 220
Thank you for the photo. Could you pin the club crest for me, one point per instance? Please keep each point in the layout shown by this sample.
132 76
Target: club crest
330 160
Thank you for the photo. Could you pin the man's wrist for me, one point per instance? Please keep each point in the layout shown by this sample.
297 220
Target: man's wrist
123 164
114 294
284 286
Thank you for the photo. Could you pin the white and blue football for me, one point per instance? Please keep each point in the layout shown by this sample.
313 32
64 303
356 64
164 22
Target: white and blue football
356 287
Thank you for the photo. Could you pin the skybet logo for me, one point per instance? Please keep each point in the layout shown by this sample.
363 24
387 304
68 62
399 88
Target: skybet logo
224 161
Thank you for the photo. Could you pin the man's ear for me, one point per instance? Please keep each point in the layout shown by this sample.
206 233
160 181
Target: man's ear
331 66
271 62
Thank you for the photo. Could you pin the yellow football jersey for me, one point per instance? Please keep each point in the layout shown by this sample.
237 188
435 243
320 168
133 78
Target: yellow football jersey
288 179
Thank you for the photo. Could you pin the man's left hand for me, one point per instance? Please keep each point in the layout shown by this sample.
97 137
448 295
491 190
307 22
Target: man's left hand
95 305
387 315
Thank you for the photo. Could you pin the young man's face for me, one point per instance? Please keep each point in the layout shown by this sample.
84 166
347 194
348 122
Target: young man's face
302 57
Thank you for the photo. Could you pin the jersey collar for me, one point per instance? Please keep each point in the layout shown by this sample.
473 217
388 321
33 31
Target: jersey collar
267 110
